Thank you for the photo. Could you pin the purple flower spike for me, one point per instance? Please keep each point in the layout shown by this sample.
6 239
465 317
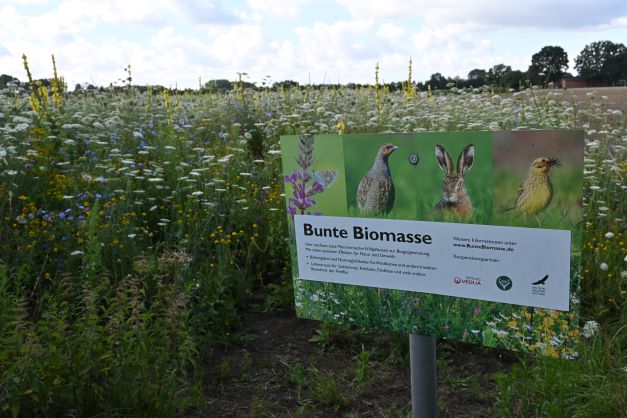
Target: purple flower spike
316 188
300 179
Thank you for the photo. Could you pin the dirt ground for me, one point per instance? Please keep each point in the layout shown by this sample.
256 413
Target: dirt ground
291 367
616 96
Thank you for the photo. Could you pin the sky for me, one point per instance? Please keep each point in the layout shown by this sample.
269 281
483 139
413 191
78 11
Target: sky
178 43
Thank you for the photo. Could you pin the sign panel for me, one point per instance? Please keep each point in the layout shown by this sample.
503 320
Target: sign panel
468 235
481 262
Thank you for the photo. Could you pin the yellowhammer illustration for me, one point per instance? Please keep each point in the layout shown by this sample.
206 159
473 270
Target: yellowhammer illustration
536 192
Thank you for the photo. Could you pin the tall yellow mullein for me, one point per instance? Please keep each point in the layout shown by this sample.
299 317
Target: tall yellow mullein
377 94
56 85
408 89
168 106
33 97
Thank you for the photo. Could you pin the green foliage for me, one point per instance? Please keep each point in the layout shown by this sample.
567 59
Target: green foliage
548 65
105 353
593 386
135 232
326 390
362 373
298 377
602 62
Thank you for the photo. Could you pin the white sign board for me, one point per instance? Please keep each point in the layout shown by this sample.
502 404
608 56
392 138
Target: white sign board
521 266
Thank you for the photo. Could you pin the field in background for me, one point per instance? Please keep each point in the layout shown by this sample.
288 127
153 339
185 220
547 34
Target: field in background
140 232
616 96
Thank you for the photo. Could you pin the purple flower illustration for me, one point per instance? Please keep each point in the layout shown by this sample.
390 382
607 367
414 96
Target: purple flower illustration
300 180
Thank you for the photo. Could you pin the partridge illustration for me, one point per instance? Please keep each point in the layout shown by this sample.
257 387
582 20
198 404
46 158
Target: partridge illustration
375 193
536 192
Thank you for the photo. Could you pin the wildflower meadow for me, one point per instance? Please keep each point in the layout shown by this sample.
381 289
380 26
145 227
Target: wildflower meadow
137 226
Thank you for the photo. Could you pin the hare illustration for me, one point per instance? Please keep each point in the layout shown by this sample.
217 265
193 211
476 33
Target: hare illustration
455 200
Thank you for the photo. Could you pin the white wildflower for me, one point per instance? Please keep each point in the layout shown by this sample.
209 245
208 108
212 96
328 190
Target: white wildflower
590 328
21 127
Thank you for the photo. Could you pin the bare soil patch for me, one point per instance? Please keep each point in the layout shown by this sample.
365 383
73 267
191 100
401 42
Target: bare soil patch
280 371
616 97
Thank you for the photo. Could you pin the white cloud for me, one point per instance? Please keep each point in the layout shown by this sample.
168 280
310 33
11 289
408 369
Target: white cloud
391 32
169 42
338 49
205 12
492 14
278 8
619 22
25 2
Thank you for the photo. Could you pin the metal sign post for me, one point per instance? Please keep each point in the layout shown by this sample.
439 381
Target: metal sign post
424 386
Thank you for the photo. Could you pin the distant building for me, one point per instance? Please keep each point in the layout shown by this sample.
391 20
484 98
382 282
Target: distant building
569 81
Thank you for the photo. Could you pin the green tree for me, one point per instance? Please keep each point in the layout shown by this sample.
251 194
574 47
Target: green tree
513 79
548 65
220 85
437 81
496 73
478 77
285 84
6 79
602 62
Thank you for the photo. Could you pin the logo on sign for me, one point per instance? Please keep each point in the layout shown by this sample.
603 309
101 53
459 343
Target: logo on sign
538 288
542 281
468 280
504 283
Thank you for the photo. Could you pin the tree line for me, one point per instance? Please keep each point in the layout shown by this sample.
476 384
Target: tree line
602 63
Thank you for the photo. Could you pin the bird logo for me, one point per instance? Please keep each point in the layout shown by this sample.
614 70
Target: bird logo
375 193
536 191
542 281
